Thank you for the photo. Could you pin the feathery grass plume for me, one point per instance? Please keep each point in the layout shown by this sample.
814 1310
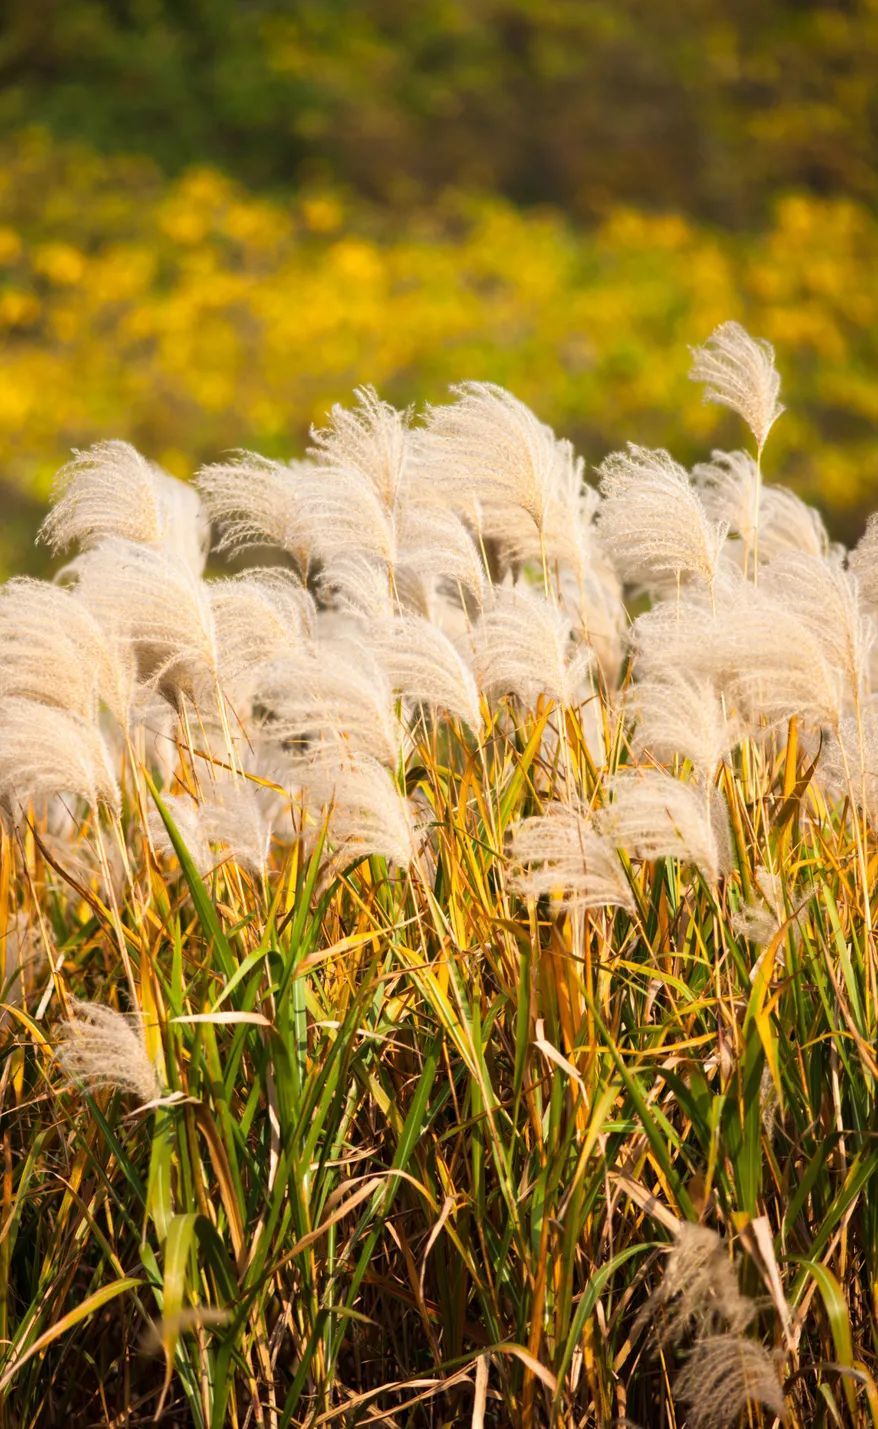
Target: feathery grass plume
22 959
523 646
825 598
356 587
864 563
434 550
738 371
561 854
47 752
370 439
722 1376
653 815
488 447
424 667
112 491
236 814
760 921
731 489
100 1047
699 1292
312 513
257 616
849 761
155 601
185 813
653 523
366 812
677 713
53 650
331 689
760 655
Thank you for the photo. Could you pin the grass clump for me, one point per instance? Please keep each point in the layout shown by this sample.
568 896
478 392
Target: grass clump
407 939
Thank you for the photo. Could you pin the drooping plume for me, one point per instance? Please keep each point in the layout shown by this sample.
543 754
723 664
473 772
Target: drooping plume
678 714
524 646
100 1047
560 853
487 448
864 563
110 491
53 650
738 371
653 815
47 752
652 522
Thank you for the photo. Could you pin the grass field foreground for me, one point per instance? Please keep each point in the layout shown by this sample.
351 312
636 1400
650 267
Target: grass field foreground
440 958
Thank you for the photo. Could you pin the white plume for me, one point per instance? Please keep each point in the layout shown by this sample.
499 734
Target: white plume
424 667
730 488
489 447
652 522
654 815
739 372
560 853
235 814
370 440
332 689
523 646
112 491
678 714
864 563
46 752
258 616
52 649
154 601
367 814
825 598
314 513
100 1047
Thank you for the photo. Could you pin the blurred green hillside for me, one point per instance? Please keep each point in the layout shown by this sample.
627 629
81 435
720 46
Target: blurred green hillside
216 218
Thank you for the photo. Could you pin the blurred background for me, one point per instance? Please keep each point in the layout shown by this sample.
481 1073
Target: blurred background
219 216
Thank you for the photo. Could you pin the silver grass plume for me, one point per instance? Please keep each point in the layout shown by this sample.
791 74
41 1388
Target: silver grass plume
849 762
762 918
864 563
257 617
677 713
23 957
313 513
47 752
699 1292
653 523
758 652
424 667
235 814
653 815
100 1047
768 517
434 550
112 491
722 1376
738 371
331 689
523 646
53 650
366 812
487 446
826 599
157 603
356 588
371 440
560 853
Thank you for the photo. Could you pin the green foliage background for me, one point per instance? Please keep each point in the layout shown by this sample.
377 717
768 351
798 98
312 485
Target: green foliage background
216 218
